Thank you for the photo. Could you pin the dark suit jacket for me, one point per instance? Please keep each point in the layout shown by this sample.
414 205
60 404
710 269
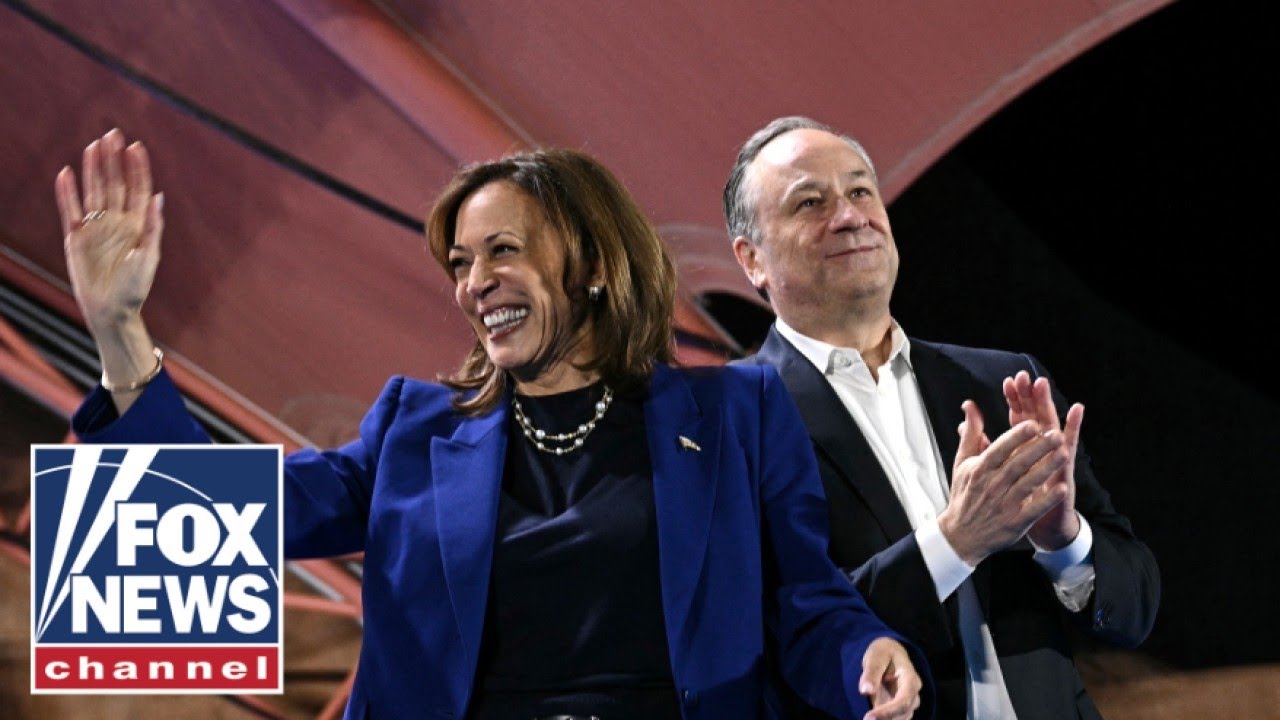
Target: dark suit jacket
872 539
741 531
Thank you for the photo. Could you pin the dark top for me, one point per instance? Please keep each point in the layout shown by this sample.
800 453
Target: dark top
574 621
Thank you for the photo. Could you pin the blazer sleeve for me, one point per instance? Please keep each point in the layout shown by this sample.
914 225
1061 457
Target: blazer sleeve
157 416
821 624
1126 591
327 494
900 589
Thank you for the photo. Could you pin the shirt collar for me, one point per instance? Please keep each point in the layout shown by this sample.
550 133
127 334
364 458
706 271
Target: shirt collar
823 355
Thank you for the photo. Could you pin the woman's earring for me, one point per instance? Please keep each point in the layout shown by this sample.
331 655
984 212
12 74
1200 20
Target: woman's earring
593 293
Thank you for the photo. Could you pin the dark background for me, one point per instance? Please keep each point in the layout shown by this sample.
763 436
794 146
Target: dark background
1116 221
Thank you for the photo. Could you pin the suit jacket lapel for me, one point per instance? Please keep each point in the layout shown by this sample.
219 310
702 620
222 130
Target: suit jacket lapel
836 434
944 386
467 476
685 475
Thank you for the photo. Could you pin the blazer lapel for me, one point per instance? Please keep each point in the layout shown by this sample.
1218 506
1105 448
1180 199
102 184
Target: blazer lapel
467 476
944 386
836 434
684 449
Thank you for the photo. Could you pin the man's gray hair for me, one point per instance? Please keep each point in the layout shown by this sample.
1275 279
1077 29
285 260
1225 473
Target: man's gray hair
739 200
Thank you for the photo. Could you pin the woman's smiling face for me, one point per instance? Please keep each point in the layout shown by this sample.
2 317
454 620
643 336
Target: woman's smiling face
508 266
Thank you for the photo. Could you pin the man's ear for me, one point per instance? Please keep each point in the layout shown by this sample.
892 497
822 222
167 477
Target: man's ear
748 255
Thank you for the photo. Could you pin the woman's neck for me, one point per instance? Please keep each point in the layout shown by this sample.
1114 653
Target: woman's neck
562 377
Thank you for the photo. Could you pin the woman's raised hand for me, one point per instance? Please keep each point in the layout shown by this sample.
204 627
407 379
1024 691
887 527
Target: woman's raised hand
112 238
112 244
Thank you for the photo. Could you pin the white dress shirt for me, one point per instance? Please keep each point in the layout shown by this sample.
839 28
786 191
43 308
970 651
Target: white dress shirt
890 412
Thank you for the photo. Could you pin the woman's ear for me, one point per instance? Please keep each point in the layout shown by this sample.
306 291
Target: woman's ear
597 278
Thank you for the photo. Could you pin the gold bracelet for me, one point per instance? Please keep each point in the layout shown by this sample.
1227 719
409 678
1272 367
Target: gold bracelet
140 382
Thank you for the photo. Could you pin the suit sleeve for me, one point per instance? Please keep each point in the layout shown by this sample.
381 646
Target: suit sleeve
1126 591
822 625
899 588
327 494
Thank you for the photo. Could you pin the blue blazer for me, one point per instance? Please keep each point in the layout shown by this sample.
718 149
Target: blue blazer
742 540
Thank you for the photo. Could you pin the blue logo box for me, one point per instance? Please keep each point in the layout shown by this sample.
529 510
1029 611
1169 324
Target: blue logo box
156 569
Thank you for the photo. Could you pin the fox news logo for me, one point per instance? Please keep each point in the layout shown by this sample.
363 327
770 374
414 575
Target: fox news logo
156 569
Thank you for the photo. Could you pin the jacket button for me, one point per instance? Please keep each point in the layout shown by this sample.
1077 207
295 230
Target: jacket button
690 699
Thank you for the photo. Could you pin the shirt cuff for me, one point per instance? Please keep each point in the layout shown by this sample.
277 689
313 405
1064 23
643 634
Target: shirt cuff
1071 568
944 565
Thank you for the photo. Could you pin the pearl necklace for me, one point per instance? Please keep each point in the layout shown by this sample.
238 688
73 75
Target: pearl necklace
573 439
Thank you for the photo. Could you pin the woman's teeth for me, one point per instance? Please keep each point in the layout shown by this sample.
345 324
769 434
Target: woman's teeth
504 319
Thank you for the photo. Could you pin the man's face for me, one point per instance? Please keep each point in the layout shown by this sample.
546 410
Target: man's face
825 245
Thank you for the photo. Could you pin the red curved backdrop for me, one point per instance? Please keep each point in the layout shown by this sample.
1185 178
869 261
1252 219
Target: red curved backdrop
305 302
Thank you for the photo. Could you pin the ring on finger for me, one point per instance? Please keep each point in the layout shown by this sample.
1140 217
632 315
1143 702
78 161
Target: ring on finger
93 215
